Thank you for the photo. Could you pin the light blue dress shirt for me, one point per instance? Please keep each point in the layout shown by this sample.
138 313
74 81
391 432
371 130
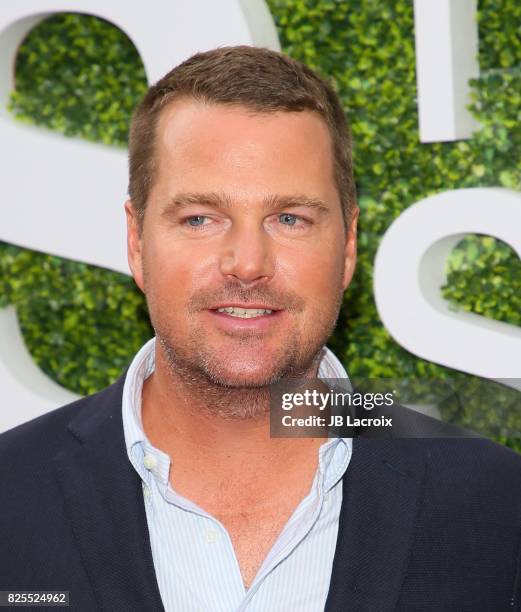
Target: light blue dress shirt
195 563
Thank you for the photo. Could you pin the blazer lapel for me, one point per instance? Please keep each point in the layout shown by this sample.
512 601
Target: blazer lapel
104 501
382 492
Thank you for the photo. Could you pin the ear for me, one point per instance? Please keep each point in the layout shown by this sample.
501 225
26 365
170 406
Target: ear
134 244
350 248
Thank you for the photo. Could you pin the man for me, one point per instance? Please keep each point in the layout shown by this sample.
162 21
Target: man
166 490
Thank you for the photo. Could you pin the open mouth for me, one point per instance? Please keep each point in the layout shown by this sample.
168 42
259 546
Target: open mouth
245 313
236 319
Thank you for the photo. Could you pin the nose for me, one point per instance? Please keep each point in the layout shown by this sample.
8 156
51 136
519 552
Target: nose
247 254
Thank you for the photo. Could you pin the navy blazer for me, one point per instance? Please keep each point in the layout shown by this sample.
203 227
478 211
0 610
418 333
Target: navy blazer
430 524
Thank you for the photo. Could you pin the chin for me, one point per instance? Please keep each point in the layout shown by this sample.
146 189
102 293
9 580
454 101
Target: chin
257 376
231 366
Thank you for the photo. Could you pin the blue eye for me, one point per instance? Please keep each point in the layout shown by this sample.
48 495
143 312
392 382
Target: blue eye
196 220
287 219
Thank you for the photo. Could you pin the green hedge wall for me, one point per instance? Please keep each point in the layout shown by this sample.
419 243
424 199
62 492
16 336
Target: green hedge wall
81 76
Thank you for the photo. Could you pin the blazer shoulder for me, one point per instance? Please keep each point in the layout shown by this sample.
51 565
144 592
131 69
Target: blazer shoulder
473 449
478 463
49 431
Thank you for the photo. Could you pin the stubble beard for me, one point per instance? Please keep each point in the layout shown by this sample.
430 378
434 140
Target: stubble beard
201 372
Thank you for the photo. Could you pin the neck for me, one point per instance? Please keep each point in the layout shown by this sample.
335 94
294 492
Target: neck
177 420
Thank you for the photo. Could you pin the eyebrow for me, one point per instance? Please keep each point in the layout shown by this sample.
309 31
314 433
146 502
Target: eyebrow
220 201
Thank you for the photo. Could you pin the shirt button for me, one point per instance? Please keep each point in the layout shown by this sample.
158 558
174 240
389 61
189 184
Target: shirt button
211 536
150 462
146 491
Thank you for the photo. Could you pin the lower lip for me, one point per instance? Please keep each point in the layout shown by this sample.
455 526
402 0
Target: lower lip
260 323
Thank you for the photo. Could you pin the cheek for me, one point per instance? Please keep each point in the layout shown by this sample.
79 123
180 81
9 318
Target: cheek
174 271
316 275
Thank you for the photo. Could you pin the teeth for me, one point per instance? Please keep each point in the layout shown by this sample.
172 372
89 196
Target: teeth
244 313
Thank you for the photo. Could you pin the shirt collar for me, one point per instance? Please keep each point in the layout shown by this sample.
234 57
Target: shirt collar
334 455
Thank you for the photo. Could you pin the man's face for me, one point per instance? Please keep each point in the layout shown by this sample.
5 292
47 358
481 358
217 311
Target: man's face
244 213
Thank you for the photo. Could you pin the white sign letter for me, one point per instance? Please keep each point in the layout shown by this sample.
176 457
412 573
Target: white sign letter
446 33
410 271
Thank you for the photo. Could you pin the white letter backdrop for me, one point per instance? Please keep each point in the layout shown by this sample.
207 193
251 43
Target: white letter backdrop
65 195
409 272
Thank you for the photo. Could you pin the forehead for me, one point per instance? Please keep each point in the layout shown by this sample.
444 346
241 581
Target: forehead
189 119
233 147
